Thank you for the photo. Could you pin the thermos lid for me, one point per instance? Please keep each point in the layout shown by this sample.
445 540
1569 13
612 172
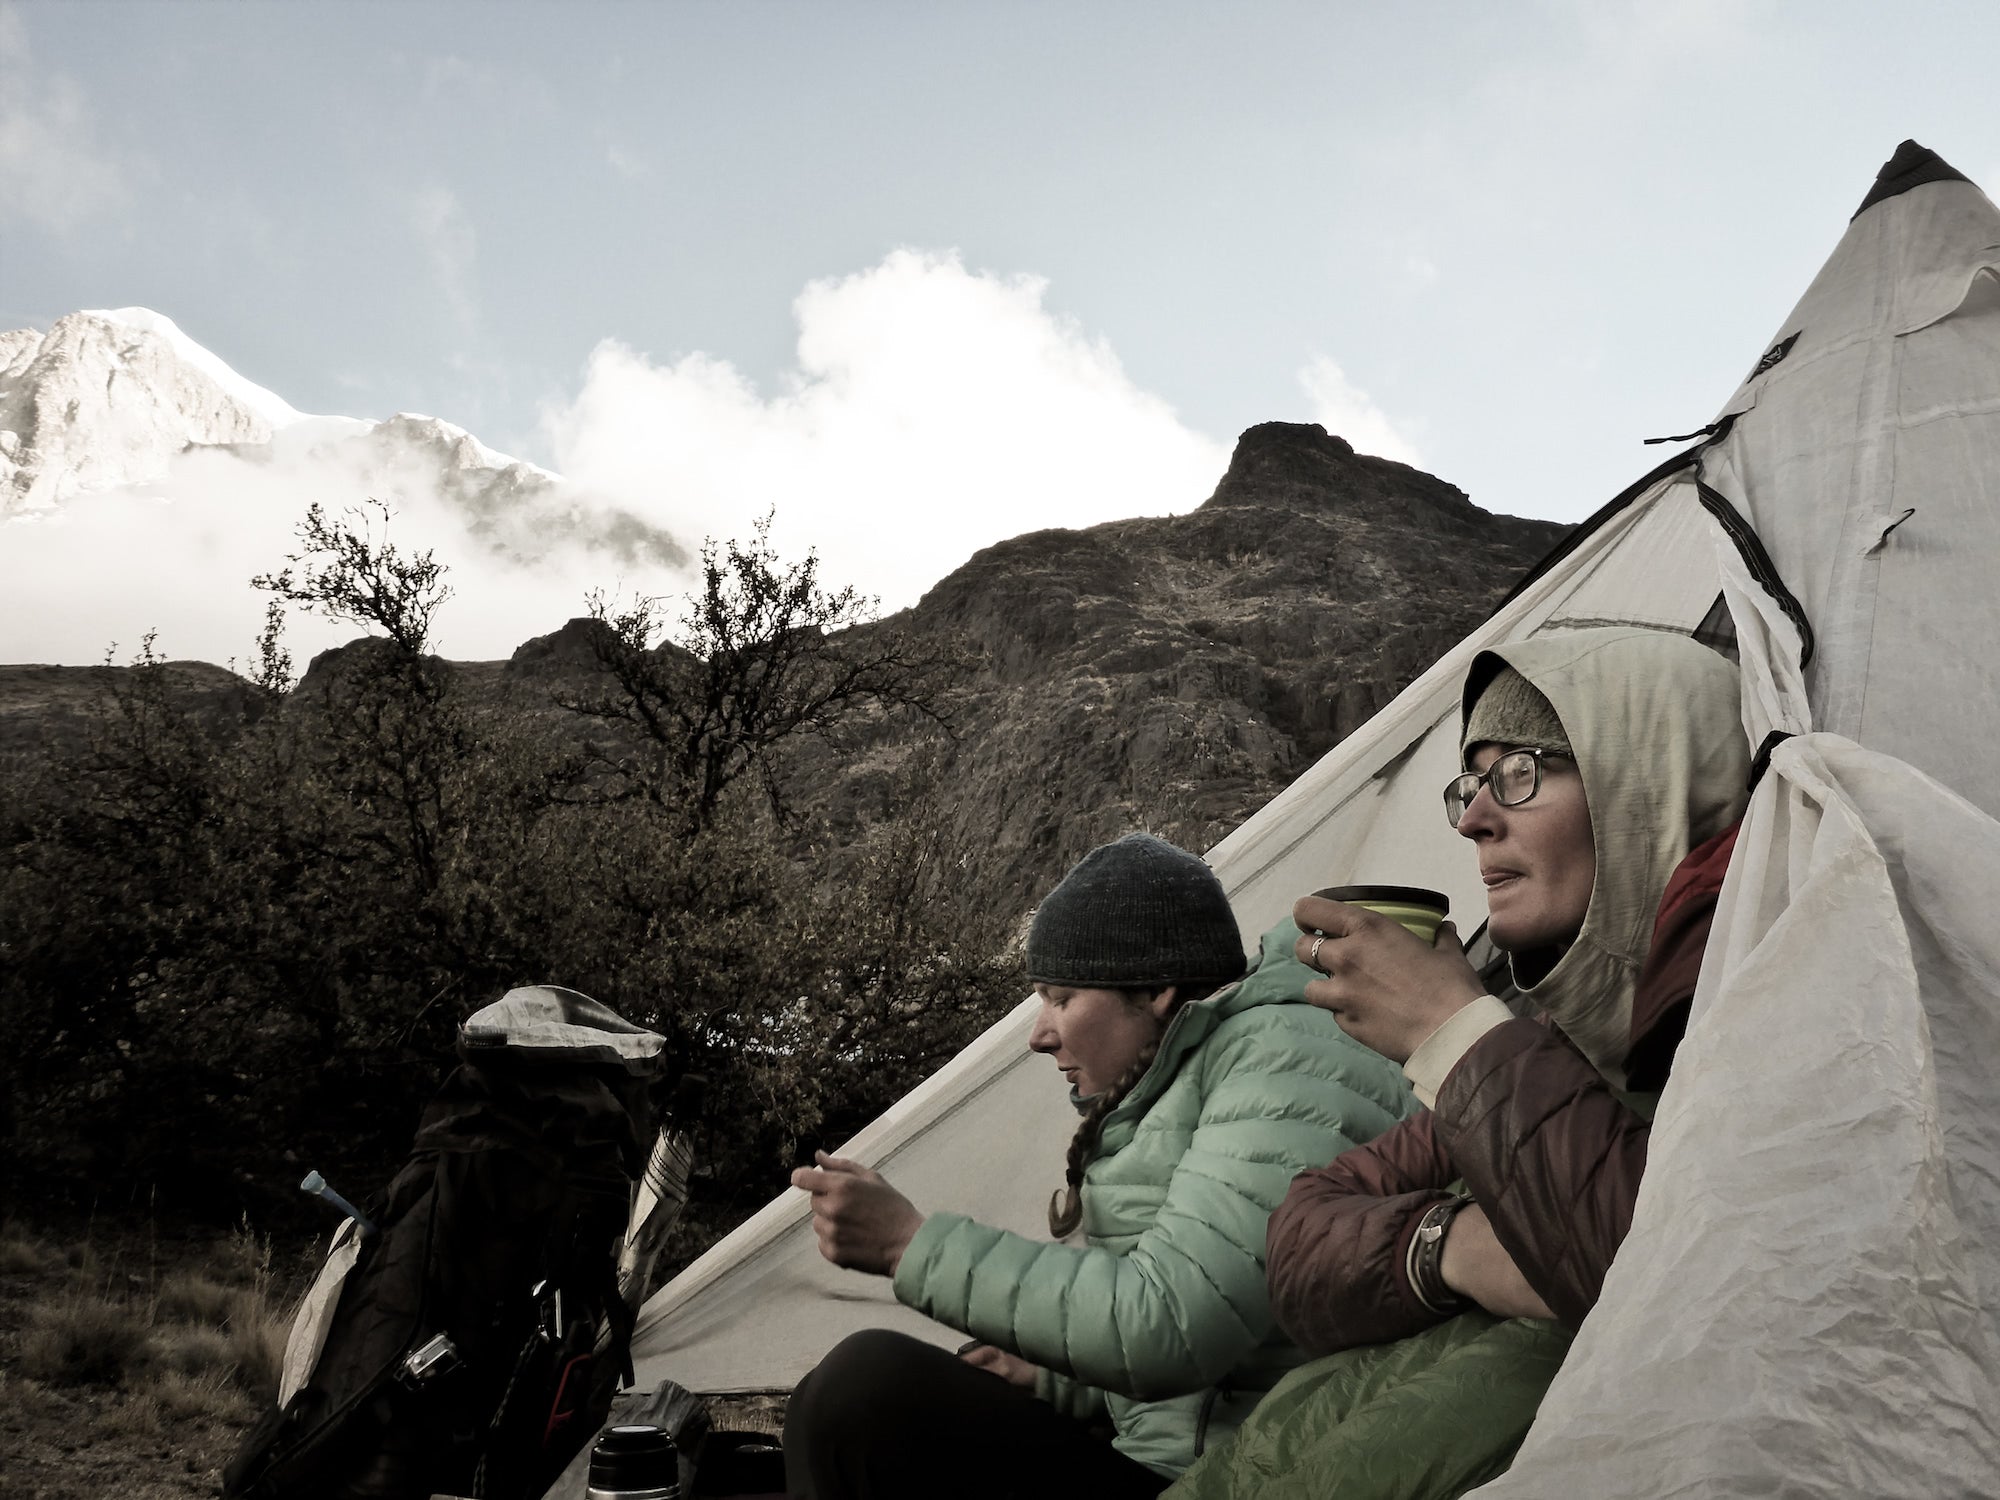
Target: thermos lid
634 1456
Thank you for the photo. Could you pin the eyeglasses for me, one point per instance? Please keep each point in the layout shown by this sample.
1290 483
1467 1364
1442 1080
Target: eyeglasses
1513 779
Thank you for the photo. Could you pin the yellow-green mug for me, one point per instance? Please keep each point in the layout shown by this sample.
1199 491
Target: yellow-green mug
1414 908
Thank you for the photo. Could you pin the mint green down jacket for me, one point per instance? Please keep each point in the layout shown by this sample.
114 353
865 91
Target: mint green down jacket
1162 1322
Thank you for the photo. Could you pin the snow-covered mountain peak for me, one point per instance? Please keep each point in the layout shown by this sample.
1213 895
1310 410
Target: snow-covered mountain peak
110 399
139 470
454 446
274 409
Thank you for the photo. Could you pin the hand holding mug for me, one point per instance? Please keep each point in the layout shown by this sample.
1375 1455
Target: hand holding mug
1386 987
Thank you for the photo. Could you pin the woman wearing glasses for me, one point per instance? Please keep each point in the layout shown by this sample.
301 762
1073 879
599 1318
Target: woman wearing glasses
1605 774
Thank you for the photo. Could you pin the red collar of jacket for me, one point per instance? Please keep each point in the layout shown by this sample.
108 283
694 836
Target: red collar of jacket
1667 979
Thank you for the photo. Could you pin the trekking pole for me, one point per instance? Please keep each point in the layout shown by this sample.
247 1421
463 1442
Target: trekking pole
659 1195
316 1185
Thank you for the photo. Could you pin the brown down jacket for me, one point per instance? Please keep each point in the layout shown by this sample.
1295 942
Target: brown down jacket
1543 1143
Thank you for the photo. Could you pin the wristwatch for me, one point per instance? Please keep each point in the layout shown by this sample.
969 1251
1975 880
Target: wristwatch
1424 1263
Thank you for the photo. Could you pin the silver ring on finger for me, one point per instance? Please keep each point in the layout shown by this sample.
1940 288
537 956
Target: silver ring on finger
1312 953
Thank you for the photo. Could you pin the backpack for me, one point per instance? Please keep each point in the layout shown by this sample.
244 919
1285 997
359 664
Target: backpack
470 1339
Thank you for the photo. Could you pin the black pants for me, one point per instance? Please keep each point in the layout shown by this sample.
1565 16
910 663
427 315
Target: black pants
886 1416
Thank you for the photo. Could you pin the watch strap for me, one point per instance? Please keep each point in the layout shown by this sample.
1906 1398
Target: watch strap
1424 1261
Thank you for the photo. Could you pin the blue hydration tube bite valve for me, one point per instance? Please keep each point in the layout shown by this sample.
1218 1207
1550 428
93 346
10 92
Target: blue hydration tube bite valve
316 1185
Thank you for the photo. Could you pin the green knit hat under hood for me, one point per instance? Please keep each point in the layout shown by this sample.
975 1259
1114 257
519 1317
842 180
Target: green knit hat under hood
1135 912
1510 710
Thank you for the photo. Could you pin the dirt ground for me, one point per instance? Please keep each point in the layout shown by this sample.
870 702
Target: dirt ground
89 1444
160 1414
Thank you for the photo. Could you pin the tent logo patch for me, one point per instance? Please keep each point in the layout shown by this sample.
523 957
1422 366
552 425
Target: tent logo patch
1774 355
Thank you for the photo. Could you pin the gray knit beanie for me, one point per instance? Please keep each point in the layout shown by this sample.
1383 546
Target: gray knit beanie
1132 913
1511 711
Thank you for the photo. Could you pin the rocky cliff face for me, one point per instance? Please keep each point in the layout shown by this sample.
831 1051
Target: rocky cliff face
1175 673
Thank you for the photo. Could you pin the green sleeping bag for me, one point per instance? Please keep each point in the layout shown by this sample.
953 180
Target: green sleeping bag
1426 1418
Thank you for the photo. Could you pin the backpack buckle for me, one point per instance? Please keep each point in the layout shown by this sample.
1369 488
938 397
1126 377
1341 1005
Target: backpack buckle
428 1361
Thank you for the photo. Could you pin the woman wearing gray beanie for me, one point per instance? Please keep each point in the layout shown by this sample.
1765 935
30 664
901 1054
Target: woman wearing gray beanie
1202 1093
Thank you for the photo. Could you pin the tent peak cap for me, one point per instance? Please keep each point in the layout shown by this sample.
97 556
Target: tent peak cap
1911 165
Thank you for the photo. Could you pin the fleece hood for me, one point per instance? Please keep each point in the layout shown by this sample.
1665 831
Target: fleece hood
1655 722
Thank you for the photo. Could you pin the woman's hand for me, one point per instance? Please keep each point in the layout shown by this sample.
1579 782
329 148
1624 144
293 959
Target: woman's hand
1474 1265
861 1222
1009 1367
1386 986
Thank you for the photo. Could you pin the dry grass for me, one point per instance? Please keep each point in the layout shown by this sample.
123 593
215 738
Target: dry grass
227 1322
244 1259
222 1326
136 1418
193 1297
211 1397
22 1254
84 1263
83 1338
192 1350
750 1411
129 1365
258 1331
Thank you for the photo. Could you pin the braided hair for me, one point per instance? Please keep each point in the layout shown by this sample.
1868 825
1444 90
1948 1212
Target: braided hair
1066 1204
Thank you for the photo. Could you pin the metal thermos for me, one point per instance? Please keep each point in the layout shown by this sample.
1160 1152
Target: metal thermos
637 1461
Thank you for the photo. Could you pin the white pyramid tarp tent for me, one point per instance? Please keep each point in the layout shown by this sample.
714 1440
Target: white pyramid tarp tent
1807 1301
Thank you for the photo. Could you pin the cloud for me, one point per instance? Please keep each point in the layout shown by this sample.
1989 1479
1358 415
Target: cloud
627 163
176 554
1655 38
445 233
484 87
1347 411
54 174
447 76
932 410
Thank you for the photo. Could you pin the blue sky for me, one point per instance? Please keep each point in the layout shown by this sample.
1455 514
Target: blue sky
841 258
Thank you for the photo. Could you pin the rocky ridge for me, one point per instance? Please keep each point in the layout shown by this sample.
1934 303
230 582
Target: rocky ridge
1174 673
1170 673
